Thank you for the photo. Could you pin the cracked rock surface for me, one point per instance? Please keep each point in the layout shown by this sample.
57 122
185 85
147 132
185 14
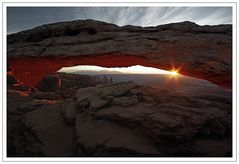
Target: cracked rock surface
122 119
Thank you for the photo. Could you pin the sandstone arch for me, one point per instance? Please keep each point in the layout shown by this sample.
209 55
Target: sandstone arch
198 51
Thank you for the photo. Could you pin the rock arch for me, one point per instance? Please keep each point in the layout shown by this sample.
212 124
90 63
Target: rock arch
198 51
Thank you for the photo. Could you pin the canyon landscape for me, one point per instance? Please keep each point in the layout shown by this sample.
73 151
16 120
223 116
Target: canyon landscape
60 114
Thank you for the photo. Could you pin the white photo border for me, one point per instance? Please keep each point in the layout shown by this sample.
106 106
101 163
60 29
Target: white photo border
45 3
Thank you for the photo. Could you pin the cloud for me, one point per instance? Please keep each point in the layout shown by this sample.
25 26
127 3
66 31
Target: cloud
21 18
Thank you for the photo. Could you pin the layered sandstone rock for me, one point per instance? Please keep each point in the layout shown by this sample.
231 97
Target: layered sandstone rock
199 51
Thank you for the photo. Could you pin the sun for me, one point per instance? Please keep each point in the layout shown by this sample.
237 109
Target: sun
174 72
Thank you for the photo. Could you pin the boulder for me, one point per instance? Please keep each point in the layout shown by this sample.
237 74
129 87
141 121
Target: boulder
70 83
101 95
49 83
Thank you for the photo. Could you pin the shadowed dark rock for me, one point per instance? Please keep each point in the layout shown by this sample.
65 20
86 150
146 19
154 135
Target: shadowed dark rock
113 120
45 96
11 80
35 104
50 83
69 111
20 87
49 127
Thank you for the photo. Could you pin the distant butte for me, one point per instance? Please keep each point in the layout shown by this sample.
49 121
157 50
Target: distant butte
199 51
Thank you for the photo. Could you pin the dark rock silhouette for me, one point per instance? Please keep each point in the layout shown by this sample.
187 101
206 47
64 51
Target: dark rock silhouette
50 83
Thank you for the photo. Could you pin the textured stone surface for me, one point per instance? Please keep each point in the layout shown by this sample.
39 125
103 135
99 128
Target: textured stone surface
45 96
173 117
49 127
199 51
69 111
70 83
104 138
99 96
133 121
35 104
125 101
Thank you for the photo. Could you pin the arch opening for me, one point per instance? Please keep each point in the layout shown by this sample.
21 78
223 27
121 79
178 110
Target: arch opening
30 71
135 69
139 74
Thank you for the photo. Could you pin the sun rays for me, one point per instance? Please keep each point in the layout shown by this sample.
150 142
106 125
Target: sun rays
174 72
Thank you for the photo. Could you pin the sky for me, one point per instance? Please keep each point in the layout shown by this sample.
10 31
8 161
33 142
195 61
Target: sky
137 69
22 18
